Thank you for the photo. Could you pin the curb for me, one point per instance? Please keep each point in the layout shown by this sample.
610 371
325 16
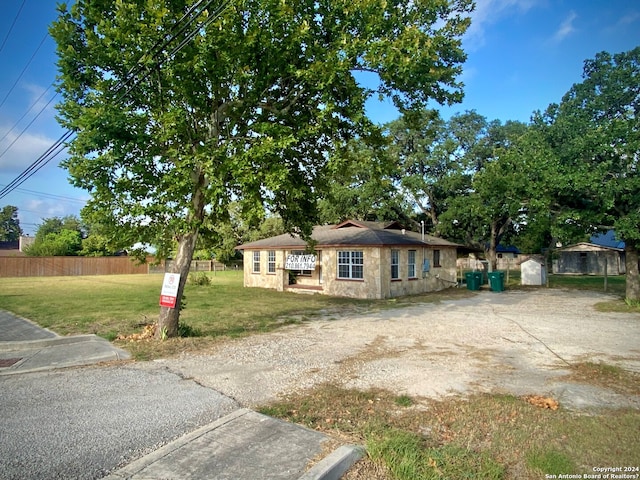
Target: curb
48 342
336 464
140 464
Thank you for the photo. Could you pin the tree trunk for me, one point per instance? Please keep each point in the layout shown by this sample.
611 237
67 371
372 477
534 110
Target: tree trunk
490 252
632 277
169 317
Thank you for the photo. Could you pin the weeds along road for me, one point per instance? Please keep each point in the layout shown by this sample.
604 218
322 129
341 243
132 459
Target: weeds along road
84 422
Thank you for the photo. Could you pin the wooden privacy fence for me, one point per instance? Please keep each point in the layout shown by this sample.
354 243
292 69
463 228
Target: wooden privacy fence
78 266
68 266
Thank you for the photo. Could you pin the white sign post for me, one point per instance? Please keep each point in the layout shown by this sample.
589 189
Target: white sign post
169 292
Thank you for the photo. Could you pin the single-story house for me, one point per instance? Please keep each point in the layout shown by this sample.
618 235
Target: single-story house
352 259
509 252
590 258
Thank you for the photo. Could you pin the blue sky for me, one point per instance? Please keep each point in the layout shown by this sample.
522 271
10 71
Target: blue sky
522 56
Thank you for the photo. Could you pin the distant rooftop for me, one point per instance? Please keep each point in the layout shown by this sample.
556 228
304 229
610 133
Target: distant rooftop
607 240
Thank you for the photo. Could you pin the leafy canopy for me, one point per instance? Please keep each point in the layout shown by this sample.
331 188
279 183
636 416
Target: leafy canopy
245 111
10 229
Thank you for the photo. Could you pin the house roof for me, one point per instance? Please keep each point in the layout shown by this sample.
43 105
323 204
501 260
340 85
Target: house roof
607 240
507 249
588 247
352 233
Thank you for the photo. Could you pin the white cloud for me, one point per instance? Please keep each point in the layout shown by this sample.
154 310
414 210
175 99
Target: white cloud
566 28
16 154
48 208
488 12
629 18
40 99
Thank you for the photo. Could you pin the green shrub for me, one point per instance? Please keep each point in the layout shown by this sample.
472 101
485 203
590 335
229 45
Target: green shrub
199 278
185 330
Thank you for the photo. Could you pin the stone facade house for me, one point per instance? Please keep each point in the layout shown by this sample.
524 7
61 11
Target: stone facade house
356 259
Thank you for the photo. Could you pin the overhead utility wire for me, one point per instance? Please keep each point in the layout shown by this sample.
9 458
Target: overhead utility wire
28 125
26 113
58 146
24 70
49 195
12 25
161 44
40 162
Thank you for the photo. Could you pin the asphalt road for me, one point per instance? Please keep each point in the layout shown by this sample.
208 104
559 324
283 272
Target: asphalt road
82 423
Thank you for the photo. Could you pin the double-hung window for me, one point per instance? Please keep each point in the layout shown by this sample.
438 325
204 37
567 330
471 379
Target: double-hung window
351 265
256 261
411 264
395 264
271 265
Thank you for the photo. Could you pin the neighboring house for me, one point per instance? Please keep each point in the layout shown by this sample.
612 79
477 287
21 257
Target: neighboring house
509 252
353 259
10 249
590 258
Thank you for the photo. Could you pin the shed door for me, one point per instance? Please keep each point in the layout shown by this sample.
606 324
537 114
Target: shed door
583 264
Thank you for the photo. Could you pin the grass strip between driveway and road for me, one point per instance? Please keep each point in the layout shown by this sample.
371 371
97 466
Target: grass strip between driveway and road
481 436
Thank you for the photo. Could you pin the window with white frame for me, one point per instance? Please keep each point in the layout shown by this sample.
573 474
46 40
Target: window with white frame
395 264
256 261
351 264
411 264
271 265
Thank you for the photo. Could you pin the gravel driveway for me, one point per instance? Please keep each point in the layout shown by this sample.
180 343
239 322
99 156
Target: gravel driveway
518 342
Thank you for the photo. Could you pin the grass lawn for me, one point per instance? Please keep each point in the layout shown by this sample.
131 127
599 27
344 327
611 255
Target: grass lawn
484 436
123 304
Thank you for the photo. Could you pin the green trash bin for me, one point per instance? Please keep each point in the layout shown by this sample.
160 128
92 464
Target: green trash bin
496 281
474 280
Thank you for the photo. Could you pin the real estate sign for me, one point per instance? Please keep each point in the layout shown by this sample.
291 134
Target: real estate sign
300 262
169 291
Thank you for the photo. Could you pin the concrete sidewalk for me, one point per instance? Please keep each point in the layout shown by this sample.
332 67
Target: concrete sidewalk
26 347
240 445
243 445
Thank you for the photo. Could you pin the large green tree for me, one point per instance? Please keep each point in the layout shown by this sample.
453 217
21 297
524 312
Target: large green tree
57 236
499 192
10 229
434 158
174 120
362 186
595 134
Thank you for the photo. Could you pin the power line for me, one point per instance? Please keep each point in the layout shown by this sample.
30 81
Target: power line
28 125
51 195
52 152
159 46
12 25
24 69
26 113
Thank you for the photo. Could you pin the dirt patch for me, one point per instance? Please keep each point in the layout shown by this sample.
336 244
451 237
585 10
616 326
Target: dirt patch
515 342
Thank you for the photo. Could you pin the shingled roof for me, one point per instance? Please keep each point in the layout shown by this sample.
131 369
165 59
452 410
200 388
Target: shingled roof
352 233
